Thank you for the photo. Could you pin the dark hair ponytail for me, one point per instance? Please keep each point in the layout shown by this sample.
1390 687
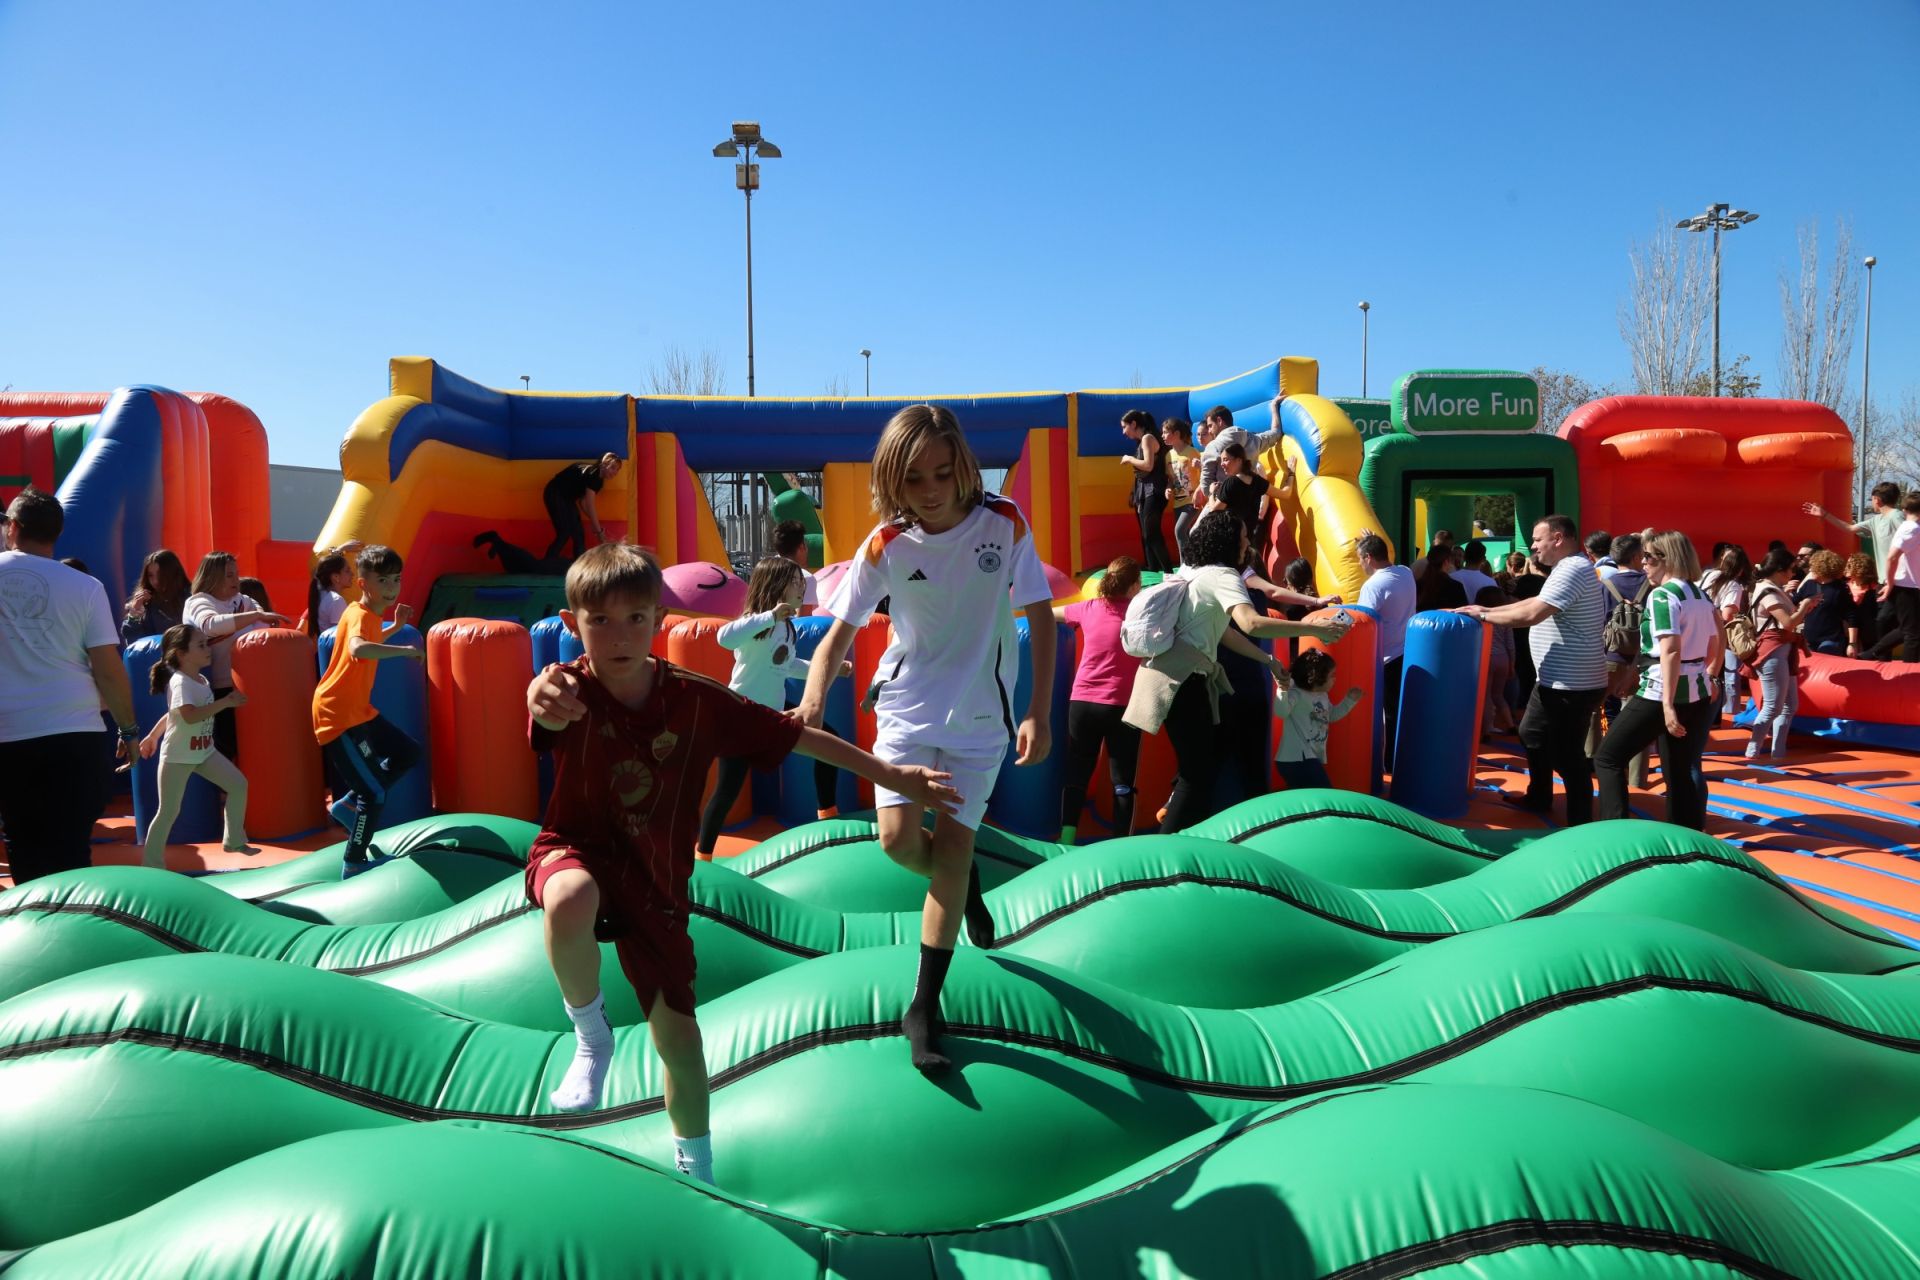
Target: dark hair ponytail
172 645
317 587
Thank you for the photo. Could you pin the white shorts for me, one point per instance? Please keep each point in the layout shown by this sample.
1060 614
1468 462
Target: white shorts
974 773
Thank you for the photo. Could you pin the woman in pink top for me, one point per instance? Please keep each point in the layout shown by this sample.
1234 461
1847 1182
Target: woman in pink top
1102 683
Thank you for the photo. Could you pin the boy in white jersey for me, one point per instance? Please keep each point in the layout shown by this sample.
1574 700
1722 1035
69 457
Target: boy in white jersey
954 559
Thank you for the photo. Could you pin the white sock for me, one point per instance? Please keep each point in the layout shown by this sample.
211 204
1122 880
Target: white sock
694 1156
592 1055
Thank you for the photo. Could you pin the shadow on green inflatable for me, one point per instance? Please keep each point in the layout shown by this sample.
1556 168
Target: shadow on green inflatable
129 1083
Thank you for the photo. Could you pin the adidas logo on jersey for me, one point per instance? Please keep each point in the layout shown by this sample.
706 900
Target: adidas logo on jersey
918 575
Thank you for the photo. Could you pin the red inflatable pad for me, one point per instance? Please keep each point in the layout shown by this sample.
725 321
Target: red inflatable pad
1675 446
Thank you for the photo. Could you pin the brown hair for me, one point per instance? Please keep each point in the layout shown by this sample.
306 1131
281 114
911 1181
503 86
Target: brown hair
1860 566
1122 576
773 577
172 645
172 590
908 432
612 569
213 566
377 561
323 572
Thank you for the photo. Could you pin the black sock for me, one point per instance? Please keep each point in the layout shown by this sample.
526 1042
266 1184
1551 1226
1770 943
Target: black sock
923 1024
979 919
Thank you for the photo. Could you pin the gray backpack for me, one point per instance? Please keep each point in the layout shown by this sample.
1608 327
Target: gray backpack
1621 639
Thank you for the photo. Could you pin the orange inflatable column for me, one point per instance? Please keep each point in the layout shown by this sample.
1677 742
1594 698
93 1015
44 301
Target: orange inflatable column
477 675
274 667
694 643
1350 740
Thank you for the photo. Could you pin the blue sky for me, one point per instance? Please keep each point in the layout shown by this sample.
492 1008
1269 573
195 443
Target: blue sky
270 200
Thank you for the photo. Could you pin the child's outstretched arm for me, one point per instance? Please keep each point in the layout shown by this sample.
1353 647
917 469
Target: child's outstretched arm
1347 703
1035 738
821 670
917 782
553 699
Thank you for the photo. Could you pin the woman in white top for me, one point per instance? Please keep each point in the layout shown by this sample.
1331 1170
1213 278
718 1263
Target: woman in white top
1726 585
184 739
222 614
1217 611
327 594
1681 648
766 654
1776 664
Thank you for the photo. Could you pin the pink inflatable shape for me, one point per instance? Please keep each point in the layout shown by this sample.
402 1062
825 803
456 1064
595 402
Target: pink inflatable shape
828 580
703 590
1060 584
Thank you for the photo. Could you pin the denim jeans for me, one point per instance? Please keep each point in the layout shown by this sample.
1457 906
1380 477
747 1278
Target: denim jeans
1779 699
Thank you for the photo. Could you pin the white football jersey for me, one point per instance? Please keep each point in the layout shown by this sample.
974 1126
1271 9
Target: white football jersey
947 680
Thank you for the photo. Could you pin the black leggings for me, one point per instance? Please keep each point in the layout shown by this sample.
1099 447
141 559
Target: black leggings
733 776
1640 723
1196 752
1091 725
567 528
51 790
1150 506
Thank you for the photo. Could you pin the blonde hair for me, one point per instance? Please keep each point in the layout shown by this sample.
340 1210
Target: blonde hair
213 567
908 432
1676 551
613 569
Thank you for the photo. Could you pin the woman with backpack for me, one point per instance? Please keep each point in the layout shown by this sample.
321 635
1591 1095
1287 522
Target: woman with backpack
1727 584
1775 663
1178 628
1673 703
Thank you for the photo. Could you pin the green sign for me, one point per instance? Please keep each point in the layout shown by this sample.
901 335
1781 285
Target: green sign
1461 401
1371 418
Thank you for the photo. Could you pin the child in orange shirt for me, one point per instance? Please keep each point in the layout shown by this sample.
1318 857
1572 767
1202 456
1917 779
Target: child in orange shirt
365 755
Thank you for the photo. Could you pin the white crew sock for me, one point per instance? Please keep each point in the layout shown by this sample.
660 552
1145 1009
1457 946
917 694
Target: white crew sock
592 1055
694 1156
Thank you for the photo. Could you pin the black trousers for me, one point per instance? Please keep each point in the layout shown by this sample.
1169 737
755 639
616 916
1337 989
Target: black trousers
1905 631
1641 723
365 762
1090 726
733 775
1150 507
1196 752
567 528
51 790
1554 732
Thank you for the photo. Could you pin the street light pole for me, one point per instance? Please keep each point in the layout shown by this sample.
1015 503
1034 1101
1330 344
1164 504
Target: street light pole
1366 313
526 382
868 357
1717 218
744 147
1866 405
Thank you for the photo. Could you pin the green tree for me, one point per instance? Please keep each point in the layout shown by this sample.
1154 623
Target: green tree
1736 381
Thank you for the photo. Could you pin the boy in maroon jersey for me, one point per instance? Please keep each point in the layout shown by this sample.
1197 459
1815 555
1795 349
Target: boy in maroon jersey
632 737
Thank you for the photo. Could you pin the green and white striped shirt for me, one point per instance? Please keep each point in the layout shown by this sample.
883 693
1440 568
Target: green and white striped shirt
1677 608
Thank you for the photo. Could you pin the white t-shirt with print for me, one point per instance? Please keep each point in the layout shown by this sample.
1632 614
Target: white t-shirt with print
766 654
201 610
186 743
947 680
50 616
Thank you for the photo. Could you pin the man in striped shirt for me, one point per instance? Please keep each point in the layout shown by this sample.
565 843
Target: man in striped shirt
1568 619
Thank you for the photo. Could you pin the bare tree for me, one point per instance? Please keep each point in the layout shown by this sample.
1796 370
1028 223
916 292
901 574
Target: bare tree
1893 442
1561 392
1665 315
1816 321
1737 380
681 373
836 386
1137 379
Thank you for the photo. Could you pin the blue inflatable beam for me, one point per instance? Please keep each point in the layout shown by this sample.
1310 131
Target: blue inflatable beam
1434 748
112 496
1026 801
